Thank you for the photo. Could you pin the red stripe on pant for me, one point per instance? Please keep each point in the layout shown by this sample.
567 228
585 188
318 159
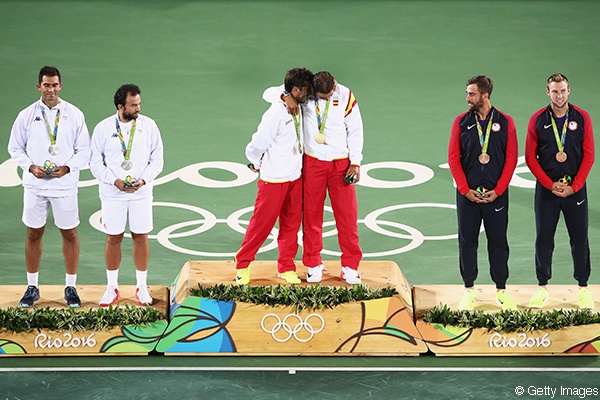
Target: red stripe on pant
320 177
274 200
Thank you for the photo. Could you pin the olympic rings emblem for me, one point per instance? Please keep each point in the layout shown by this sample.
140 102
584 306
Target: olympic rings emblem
292 331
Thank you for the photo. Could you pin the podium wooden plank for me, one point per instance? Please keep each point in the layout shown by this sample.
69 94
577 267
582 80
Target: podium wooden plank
372 327
457 341
53 296
126 340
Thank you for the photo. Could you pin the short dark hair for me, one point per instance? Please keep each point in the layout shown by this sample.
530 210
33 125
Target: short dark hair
48 71
300 77
484 84
556 78
123 91
323 82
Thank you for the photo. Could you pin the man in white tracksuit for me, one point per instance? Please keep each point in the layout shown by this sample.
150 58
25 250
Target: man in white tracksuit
127 155
50 141
276 152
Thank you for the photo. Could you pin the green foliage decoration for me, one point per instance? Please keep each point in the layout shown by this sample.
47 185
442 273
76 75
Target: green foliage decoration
16 319
302 297
511 321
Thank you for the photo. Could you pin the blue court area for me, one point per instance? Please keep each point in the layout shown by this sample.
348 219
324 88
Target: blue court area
202 67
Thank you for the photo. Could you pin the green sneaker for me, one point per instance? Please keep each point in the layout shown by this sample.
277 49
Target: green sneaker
466 303
585 298
290 276
539 298
242 276
503 299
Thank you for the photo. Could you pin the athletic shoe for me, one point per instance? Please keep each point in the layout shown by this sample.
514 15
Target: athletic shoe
314 274
503 299
143 296
72 297
539 298
350 275
242 276
290 277
109 297
585 298
466 303
32 294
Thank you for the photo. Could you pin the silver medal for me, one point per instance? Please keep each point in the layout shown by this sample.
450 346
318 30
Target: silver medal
126 165
53 150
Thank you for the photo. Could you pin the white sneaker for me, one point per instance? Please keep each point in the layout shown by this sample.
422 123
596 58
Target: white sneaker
314 274
109 297
143 296
350 275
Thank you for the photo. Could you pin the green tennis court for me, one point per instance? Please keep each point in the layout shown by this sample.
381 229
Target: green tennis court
202 67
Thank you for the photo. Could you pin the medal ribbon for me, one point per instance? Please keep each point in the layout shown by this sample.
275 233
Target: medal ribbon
297 124
126 150
56 120
484 142
560 140
319 122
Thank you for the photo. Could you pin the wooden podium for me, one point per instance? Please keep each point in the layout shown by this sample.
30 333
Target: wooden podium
207 326
457 341
125 340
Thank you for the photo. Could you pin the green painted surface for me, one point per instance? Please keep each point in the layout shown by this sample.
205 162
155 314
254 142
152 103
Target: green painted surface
202 66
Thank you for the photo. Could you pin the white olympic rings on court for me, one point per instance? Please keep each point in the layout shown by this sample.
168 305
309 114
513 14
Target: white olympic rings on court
292 331
166 235
207 220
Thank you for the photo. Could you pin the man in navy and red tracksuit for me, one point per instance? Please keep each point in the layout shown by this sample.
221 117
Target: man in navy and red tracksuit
482 156
559 152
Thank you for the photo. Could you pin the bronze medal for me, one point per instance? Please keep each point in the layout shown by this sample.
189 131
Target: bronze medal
320 138
300 151
561 156
484 158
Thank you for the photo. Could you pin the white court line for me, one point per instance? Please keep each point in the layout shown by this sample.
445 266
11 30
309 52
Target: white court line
293 370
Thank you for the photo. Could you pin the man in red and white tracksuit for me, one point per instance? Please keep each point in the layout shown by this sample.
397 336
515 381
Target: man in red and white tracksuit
276 152
333 137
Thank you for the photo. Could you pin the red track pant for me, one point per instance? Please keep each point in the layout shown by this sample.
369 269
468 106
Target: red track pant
320 177
273 200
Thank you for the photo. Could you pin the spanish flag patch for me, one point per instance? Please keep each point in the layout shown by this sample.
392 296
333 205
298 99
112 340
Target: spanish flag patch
336 103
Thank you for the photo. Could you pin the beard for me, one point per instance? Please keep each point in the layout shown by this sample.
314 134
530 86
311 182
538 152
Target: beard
128 116
476 106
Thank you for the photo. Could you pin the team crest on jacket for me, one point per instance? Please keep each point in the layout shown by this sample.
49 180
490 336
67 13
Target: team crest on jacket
573 125
496 127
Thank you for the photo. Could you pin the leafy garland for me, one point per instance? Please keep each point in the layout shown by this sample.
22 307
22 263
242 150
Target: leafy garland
511 321
16 319
302 297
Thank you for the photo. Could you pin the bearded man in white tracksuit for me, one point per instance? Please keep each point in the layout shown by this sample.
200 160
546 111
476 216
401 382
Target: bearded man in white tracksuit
276 152
127 155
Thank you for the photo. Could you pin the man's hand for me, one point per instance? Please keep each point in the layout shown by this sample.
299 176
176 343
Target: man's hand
61 171
38 171
354 171
562 190
120 184
291 105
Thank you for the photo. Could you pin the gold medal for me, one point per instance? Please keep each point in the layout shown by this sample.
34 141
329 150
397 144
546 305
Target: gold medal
320 138
484 158
561 156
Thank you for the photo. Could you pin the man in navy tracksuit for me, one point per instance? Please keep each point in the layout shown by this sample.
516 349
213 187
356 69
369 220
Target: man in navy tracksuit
559 152
482 155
